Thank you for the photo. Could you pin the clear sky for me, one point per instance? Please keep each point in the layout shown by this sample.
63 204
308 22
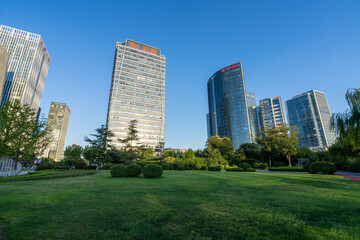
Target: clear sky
286 47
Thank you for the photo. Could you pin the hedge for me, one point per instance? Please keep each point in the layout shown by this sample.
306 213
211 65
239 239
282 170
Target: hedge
215 168
287 169
324 167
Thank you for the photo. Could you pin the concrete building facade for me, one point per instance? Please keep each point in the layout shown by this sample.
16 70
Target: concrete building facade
138 93
310 113
57 124
27 66
4 57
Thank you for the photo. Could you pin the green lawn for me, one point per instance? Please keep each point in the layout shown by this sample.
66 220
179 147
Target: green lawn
182 205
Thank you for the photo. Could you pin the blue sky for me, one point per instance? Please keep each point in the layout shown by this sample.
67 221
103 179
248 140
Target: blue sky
286 47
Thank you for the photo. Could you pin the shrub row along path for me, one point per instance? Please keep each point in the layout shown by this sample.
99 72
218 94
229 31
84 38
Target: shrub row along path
182 205
349 175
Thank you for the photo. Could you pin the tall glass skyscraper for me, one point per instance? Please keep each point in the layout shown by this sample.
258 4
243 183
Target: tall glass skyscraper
228 110
138 92
310 113
27 66
271 113
4 56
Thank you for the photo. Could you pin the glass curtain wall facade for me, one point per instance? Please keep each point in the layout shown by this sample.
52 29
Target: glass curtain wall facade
228 110
138 92
4 56
311 114
27 66
271 113
57 124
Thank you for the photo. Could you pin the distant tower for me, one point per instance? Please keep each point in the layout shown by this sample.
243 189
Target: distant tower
4 56
271 113
311 114
57 123
228 110
138 92
27 67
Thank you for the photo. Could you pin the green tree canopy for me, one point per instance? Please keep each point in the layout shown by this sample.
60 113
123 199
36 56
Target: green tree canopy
223 145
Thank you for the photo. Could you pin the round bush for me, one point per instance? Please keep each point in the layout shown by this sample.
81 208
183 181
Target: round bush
250 170
133 170
256 165
264 166
244 166
168 167
152 171
215 168
238 169
118 171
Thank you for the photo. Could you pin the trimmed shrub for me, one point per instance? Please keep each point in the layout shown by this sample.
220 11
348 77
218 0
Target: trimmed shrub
229 169
250 170
133 170
256 165
187 168
44 166
215 168
354 166
168 167
307 166
203 168
181 168
244 166
80 165
118 170
152 171
287 169
90 167
61 166
238 169
264 166
324 167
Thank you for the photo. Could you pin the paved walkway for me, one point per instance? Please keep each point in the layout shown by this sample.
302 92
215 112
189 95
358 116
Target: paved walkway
349 175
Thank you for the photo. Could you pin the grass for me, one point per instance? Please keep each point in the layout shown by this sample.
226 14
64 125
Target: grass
287 169
47 174
183 205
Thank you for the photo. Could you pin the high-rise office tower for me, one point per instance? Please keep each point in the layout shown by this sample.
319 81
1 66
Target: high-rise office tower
310 113
27 67
271 113
138 92
228 111
250 99
57 124
253 116
4 56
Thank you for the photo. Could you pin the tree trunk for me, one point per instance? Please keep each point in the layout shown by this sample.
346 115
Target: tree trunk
269 160
289 159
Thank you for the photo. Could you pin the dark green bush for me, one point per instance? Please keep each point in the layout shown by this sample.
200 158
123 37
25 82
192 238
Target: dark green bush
264 166
355 166
90 167
215 168
324 167
187 168
133 170
168 167
256 165
244 166
80 165
250 170
181 168
307 166
152 171
44 166
287 169
229 169
118 170
203 168
61 166
238 169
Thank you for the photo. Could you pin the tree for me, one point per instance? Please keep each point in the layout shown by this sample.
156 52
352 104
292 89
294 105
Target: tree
22 136
214 158
168 153
283 138
223 145
72 155
99 146
189 154
237 158
146 152
251 150
130 141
